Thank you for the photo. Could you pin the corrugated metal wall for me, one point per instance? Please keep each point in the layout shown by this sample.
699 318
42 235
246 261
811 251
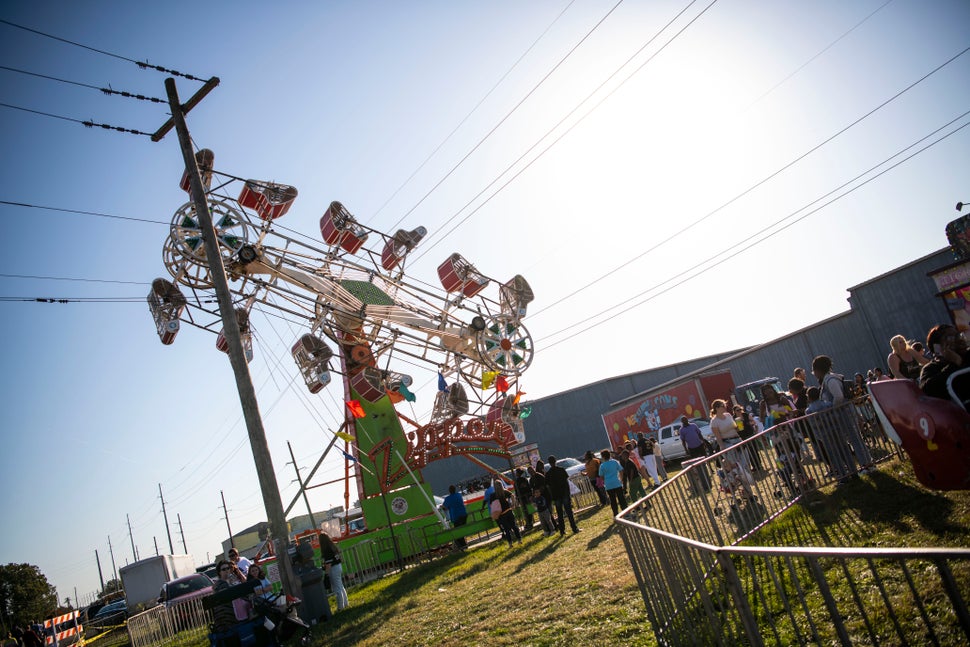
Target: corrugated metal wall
902 301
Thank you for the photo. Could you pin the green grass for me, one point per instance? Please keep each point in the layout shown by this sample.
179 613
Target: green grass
547 591
581 590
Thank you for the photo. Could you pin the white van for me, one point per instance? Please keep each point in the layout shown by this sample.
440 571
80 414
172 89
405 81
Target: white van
669 438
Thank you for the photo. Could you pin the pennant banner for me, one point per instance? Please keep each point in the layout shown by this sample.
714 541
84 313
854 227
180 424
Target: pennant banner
501 384
442 385
344 436
488 377
356 409
403 390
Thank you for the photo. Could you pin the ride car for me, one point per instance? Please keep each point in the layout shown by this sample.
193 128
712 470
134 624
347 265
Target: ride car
189 587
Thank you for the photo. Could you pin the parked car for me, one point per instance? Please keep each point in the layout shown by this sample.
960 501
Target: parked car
111 614
190 587
669 438
571 465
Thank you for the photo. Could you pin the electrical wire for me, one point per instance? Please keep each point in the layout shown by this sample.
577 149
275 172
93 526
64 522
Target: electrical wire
427 248
751 241
751 188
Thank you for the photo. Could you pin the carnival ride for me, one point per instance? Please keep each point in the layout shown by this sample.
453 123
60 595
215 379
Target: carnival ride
360 307
935 432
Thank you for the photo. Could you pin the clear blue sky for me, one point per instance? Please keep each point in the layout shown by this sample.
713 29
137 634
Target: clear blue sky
625 165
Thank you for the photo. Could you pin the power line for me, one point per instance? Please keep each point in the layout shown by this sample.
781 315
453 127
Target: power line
428 248
510 112
749 242
470 113
143 65
107 91
83 213
86 123
65 278
751 188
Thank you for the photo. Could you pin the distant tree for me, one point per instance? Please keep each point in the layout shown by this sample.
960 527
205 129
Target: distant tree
25 594
111 586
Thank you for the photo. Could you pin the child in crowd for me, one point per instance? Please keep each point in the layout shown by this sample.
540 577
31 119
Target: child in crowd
545 514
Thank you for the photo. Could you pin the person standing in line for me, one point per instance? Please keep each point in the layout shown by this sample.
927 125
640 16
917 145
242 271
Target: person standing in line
742 419
524 495
658 458
612 473
649 462
330 555
632 483
799 374
831 395
454 503
691 439
541 503
31 638
506 517
558 482
593 474
725 430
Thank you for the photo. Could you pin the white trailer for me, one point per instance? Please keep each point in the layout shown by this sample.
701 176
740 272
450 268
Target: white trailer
143 580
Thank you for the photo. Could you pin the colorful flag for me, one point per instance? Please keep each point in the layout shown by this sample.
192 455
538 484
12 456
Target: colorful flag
501 384
394 396
525 412
344 436
356 409
442 385
349 457
487 378
403 390
518 396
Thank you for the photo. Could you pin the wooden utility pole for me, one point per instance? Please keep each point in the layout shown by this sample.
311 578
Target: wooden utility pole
168 531
244 384
299 479
225 511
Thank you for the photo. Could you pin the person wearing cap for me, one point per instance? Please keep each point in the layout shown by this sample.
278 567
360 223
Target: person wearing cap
691 438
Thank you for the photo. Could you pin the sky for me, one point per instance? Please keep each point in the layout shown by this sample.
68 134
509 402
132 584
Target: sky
668 192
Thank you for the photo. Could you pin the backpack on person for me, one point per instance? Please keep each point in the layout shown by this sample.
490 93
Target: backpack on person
846 386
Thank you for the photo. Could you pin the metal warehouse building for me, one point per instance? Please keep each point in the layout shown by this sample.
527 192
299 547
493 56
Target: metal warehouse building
903 300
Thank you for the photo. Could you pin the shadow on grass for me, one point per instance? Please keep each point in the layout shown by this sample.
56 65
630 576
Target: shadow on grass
346 626
854 514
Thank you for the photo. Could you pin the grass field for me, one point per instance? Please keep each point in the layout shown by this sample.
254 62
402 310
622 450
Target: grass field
580 588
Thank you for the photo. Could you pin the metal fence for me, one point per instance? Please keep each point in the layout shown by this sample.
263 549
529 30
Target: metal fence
701 587
181 622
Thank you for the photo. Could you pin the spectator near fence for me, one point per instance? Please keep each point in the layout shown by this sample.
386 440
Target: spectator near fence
558 482
524 494
691 439
831 394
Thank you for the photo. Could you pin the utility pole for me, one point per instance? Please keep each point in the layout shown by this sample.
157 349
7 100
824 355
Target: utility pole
171 549
112 553
232 542
185 549
155 539
134 551
100 576
244 383
299 479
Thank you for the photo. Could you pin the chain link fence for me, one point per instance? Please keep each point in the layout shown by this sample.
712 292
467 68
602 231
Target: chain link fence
693 546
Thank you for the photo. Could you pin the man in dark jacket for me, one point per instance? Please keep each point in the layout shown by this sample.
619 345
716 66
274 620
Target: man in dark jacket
558 482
